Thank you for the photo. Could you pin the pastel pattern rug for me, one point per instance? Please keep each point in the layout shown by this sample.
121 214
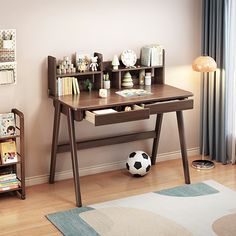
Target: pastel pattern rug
202 209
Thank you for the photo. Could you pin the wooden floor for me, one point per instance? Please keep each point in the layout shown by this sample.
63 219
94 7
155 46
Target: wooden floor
27 217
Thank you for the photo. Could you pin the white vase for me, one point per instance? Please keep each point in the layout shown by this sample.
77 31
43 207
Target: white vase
107 84
148 79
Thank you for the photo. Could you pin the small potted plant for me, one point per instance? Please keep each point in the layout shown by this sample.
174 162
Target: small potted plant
106 81
88 85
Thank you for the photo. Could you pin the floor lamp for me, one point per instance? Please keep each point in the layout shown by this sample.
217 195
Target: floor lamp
203 64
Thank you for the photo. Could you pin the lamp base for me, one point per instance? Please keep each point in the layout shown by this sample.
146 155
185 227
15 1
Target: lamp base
203 164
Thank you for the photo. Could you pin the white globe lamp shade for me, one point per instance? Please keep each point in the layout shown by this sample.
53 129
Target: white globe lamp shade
204 64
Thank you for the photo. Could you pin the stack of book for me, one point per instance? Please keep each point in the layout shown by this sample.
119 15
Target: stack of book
67 86
8 182
152 55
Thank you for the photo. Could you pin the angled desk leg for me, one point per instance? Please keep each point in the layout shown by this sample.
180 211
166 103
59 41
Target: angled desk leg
180 121
156 139
56 125
73 147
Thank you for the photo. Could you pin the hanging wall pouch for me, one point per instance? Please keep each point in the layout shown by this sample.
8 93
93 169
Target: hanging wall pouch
7 44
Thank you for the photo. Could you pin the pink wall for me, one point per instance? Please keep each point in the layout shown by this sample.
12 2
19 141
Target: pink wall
60 28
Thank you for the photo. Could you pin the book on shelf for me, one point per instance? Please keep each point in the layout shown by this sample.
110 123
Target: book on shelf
76 89
69 81
73 85
7 177
10 187
77 86
59 86
8 152
7 124
8 182
152 55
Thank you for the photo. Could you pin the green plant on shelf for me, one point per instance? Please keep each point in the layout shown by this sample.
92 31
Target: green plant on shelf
88 85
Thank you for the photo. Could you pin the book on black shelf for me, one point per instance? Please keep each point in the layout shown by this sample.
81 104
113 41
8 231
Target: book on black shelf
13 185
3 189
7 177
8 182
8 152
5 170
7 124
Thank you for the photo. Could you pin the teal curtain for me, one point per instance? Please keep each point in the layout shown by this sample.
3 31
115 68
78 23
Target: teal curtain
213 131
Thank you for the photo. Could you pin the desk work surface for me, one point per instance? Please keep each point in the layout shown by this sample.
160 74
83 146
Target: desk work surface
91 100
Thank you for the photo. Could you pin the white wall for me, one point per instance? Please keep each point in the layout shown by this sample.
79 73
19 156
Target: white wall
60 28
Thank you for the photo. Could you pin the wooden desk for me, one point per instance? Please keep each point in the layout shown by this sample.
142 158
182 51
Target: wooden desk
164 99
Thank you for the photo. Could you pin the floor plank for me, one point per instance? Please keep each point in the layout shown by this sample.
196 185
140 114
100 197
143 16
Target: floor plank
27 217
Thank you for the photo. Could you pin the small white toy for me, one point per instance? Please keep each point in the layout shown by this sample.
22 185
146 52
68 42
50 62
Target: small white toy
138 163
94 63
115 62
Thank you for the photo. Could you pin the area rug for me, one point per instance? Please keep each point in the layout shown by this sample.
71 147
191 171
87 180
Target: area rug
205 209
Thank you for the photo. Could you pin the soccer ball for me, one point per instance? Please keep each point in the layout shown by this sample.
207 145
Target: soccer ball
138 163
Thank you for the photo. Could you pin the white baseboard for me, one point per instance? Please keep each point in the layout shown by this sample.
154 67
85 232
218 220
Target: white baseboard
40 179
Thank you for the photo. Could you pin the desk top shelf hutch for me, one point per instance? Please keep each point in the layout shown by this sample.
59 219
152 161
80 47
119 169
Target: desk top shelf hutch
163 98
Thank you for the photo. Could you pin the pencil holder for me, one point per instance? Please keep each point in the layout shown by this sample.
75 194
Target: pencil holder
107 84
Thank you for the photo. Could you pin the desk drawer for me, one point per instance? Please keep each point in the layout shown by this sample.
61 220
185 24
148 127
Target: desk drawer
170 106
138 113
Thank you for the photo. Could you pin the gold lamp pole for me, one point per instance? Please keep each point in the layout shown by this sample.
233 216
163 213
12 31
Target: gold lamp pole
204 64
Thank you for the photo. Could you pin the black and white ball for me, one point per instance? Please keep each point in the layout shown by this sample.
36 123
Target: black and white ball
138 163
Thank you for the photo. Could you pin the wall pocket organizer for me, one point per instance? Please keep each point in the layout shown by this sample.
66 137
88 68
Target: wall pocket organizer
7 56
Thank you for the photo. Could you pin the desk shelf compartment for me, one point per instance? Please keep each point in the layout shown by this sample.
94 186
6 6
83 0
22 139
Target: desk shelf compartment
96 77
157 72
137 113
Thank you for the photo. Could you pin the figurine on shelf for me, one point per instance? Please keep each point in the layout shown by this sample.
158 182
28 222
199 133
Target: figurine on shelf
115 62
82 62
82 67
127 81
65 66
94 63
